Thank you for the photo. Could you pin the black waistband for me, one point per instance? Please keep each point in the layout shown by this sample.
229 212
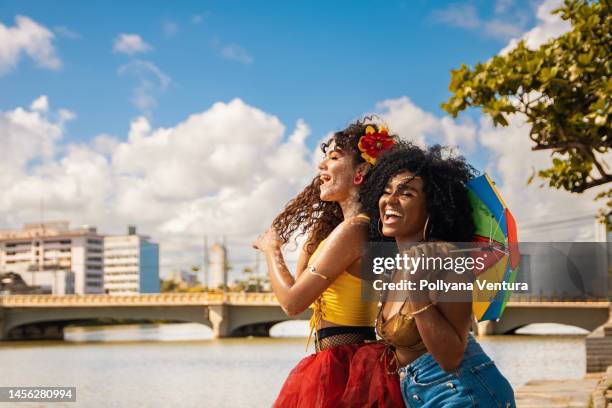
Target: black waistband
368 332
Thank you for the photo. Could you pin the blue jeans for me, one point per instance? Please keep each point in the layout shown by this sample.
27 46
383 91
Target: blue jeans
475 383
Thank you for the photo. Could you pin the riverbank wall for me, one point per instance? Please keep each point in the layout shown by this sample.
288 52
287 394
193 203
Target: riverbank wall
599 347
592 391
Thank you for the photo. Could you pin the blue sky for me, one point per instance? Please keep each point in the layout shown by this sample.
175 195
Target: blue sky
325 62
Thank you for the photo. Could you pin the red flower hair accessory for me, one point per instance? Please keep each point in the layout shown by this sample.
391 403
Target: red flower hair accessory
374 142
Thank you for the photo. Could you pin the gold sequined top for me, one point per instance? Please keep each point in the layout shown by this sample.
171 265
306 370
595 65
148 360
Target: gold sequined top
400 330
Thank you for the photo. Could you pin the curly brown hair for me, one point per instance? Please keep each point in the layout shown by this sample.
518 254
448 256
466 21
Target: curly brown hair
307 214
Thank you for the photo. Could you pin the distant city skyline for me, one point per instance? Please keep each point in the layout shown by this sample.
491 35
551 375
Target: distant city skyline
61 259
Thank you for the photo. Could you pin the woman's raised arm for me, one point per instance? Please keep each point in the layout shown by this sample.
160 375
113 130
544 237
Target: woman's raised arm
342 248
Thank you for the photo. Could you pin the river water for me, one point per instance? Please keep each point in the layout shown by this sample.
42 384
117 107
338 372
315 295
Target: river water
181 365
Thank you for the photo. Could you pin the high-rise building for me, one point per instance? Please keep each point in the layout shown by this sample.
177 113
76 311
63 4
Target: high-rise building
51 255
218 266
131 264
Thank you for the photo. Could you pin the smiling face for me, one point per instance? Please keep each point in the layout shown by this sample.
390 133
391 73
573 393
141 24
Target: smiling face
402 208
337 172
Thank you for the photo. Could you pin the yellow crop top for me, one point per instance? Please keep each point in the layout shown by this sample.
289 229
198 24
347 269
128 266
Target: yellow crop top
342 303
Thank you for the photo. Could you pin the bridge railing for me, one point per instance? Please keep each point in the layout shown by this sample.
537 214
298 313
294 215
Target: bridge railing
207 298
530 298
251 297
138 299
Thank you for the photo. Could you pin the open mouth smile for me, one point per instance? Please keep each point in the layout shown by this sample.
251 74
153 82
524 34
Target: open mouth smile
392 216
325 178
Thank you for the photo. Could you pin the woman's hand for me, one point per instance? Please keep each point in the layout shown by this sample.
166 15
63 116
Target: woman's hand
425 259
267 241
443 327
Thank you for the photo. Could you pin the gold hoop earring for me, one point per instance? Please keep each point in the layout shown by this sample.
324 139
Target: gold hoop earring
380 227
425 229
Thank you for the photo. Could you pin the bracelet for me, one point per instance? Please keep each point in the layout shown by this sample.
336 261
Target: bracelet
421 310
313 271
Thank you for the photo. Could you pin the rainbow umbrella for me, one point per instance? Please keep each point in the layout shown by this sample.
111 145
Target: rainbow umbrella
496 231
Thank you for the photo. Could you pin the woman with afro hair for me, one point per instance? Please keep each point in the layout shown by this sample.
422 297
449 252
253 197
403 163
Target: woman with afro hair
419 199
328 212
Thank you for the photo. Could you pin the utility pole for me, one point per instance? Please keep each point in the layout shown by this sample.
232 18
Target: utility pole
225 266
41 248
205 266
257 277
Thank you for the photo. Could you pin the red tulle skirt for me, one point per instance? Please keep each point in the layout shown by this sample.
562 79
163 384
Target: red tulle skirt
351 375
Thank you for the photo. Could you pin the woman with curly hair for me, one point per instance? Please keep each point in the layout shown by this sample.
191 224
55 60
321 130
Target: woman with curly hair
419 198
329 214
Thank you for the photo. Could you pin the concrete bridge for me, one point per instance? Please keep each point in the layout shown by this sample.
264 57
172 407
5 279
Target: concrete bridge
587 315
228 315
235 314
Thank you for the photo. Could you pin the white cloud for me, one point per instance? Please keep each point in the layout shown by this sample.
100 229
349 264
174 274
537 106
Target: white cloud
64 31
152 81
65 115
232 52
513 160
502 5
549 26
40 104
458 15
26 135
29 38
105 144
30 139
130 44
507 23
198 18
423 128
224 171
170 28
235 52
503 29
140 67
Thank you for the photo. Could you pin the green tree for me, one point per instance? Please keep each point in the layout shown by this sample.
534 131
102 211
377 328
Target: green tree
168 286
196 289
563 89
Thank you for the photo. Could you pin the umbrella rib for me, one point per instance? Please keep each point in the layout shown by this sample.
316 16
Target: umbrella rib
499 250
496 228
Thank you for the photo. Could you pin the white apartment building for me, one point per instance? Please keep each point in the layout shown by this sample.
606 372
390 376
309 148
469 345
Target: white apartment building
218 266
131 264
58 259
